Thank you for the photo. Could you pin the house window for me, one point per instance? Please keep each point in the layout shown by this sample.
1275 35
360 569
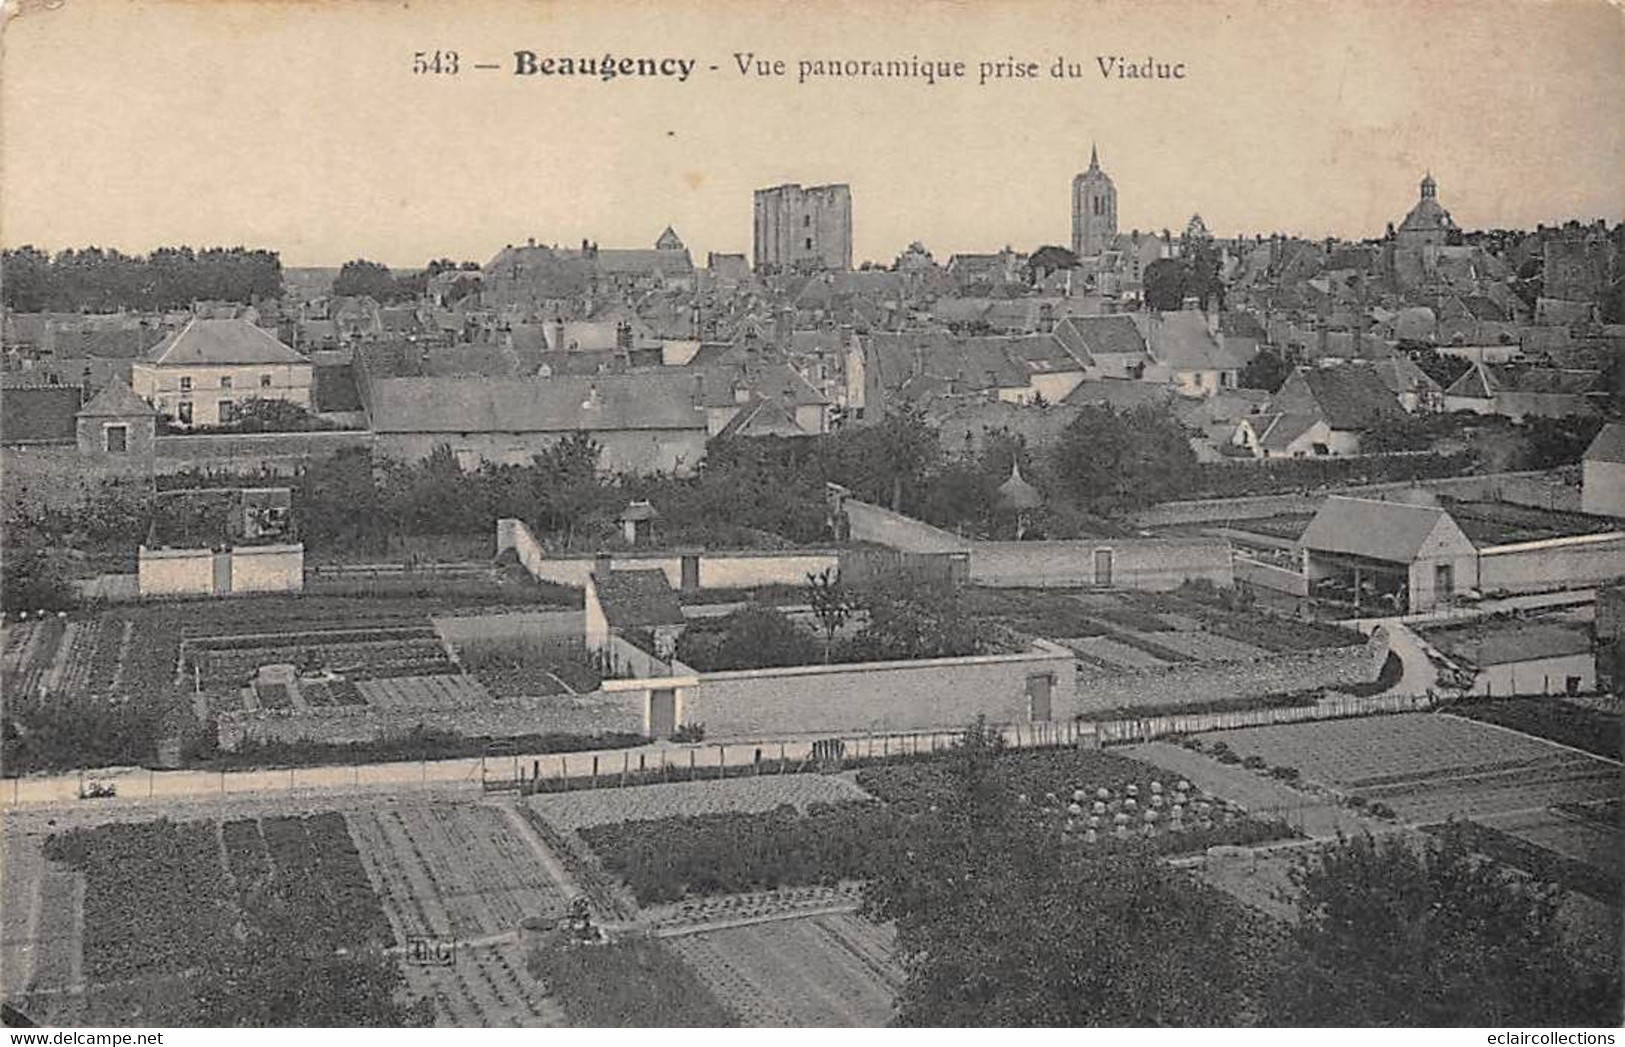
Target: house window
265 381
225 381
809 243
226 411
186 384
183 413
116 439
806 221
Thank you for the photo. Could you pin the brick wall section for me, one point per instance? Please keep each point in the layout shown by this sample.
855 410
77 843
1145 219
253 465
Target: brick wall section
891 696
587 714
1188 683
1136 563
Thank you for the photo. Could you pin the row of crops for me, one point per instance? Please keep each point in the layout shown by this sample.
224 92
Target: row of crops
664 859
191 903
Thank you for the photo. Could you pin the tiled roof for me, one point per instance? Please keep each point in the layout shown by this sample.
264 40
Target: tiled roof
1389 531
638 599
556 404
1348 396
1609 446
1103 335
1182 341
117 400
41 414
221 342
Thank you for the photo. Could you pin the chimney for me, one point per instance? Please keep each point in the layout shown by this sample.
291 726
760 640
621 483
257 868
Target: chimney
530 241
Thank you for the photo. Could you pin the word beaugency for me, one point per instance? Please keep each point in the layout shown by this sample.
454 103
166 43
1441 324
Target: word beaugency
607 67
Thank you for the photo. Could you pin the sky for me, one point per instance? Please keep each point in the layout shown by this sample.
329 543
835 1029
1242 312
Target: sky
300 126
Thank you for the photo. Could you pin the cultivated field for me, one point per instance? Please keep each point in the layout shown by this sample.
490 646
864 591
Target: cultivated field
1429 767
580 810
836 970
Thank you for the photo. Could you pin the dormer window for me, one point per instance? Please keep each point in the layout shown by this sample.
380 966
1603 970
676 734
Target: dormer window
225 381
186 384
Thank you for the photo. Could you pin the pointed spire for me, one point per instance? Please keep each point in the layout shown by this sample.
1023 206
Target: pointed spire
1094 158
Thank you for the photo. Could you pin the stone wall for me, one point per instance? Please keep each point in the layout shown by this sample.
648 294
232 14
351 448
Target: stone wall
1189 683
881 696
724 569
1545 489
1558 563
250 453
600 712
1135 563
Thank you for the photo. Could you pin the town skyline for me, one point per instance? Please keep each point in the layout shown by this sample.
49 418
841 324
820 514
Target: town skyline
311 136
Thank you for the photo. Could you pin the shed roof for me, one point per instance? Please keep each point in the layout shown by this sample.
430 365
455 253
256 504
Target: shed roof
637 599
1390 531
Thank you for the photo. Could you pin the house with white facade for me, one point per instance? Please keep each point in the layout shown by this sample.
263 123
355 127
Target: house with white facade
202 373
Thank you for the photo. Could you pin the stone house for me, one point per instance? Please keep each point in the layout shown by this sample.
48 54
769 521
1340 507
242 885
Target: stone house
202 373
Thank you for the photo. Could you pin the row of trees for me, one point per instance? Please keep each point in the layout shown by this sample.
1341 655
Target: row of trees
375 280
1003 922
105 280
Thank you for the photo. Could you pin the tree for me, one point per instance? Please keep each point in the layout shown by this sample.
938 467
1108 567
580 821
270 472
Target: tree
1164 281
753 637
361 277
1266 371
1395 435
1558 441
1001 921
1442 368
1392 933
832 605
913 617
1112 462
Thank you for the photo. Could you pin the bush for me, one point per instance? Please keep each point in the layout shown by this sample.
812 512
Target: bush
1254 763
1383 811
689 732
1286 774
1227 757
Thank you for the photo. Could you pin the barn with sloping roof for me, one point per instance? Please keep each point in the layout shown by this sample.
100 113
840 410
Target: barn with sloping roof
1602 477
1387 557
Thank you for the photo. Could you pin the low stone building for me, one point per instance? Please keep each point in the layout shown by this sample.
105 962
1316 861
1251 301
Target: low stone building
1387 557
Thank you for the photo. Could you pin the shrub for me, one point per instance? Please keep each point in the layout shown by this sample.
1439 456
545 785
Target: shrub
1383 811
689 732
1286 774
1227 757
1254 763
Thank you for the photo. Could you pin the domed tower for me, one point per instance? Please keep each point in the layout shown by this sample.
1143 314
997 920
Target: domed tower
1094 210
1428 223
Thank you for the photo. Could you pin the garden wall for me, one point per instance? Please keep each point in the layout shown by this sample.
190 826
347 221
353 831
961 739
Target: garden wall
241 571
871 523
1188 683
731 569
1543 489
250 453
882 696
585 714
1269 576
1557 563
1136 563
